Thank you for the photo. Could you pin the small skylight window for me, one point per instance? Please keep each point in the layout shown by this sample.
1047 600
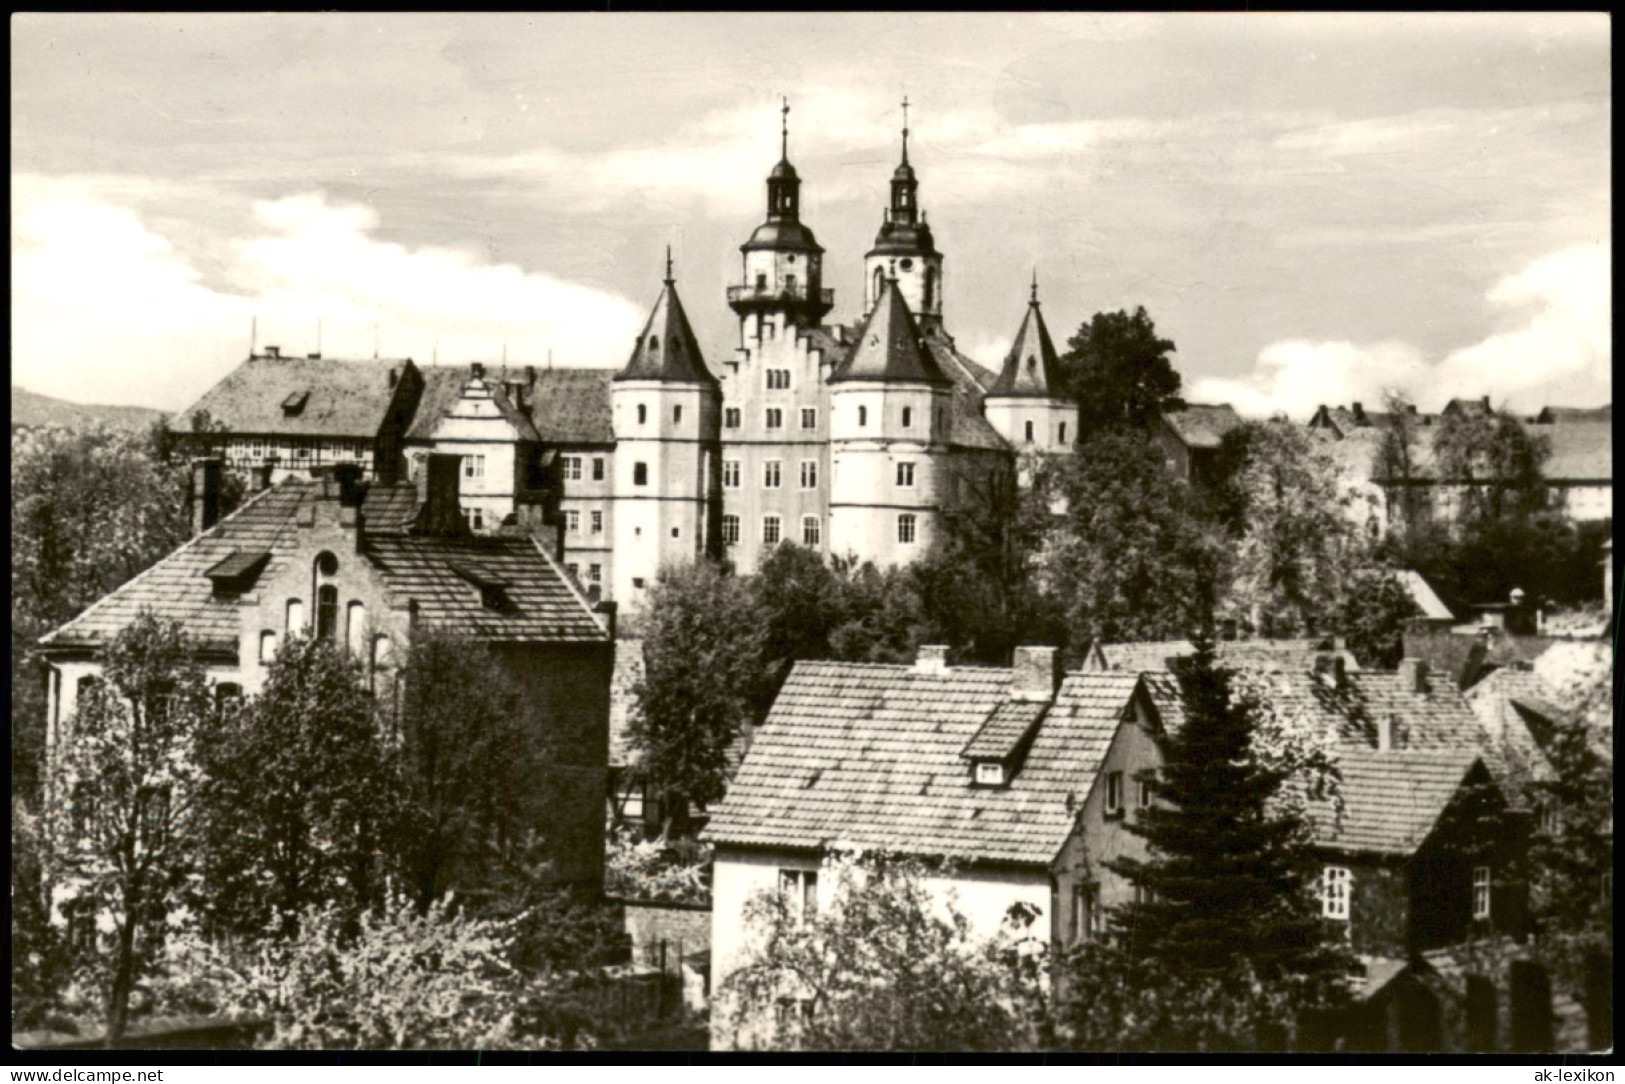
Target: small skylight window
295 402
989 773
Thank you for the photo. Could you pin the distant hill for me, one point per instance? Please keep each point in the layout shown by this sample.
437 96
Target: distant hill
32 410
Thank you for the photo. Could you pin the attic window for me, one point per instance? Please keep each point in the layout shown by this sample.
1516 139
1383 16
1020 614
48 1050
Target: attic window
493 590
295 402
236 573
989 773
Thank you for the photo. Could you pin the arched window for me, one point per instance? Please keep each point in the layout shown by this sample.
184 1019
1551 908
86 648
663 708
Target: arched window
863 415
327 611
296 617
355 628
327 564
643 414
1029 432
790 284
267 646
930 288
880 282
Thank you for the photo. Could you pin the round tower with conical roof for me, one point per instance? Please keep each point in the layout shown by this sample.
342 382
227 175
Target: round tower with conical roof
1028 404
783 264
904 249
890 426
665 411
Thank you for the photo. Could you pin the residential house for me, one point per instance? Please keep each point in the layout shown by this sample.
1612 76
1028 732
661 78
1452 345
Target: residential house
1190 439
365 565
1142 655
995 770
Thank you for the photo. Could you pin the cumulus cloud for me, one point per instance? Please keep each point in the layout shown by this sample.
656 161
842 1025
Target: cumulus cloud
106 308
1557 350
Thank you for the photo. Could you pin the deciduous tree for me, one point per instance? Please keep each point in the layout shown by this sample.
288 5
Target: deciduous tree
1119 371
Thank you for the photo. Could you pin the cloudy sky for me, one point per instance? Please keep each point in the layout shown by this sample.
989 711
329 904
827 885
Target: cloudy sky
1313 207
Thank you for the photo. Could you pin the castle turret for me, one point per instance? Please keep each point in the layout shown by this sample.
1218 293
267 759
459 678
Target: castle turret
665 403
890 422
1028 404
782 261
904 249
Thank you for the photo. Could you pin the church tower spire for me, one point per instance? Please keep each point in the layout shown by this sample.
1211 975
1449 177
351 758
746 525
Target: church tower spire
783 262
905 243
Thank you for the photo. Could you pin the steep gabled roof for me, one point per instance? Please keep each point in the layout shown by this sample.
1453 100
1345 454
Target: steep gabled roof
1392 800
334 397
667 349
443 388
871 756
544 605
1201 425
1032 369
889 348
971 429
571 406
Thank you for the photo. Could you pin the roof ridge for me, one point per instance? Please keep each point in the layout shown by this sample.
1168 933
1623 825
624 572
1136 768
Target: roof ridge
164 560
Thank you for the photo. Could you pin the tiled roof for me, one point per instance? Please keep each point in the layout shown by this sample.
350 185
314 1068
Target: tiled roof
1436 720
1426 598
1031 368
971 429
542 604
1560 414
666 349
443 387
1581 450
344 398
1202 425
1257 654
1392 799
571 406
869 756
1144 654
1000 736
389 508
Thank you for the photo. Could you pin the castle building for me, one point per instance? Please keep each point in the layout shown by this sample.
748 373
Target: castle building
849 439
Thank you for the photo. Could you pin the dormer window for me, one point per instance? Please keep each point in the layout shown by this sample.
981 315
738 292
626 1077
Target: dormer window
295 402
493 590
236 574
989 773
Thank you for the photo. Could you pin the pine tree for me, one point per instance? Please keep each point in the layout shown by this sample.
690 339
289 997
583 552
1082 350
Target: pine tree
1222 889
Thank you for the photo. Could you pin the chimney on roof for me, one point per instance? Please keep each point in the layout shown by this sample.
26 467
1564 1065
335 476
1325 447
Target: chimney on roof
1486 402
932 659
530 376
1034 674
1331 669
349 479
1413 675
205 494
442 512
273 351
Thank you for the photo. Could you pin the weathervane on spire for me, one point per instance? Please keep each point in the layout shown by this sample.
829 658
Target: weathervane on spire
668 266
784 131
905 129
1035 286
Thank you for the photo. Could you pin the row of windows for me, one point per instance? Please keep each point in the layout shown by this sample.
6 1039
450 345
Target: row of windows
305 451
595 520
1116 793
595 574
812 530
773 474
1337 892
574 464
1031 433
773 418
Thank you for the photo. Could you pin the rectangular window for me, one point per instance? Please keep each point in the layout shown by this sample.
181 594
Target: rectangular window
574 570
677 415
770 530
1481 892
908 417
771 471
1114 793
809 418
475 518
905 474
572 468
730 418
1335 883
640 474
905 528
1145 784
799 888
597 522
595 574
1086 915
474 466
730 474
572 521
778 379
812 531
989 773
598 468
775 418
730 530
809 474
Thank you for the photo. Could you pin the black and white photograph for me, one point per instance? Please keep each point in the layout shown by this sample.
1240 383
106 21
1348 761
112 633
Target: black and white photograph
603 535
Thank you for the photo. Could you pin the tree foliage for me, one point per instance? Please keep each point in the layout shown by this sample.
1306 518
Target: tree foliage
1223 886
301 794
1497 461
1119 372
884 964
124 784
1129 559
702 651
1372 615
